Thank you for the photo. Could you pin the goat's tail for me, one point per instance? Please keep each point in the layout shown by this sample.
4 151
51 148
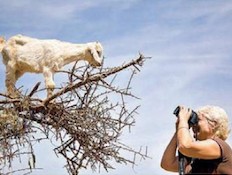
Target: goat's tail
2 43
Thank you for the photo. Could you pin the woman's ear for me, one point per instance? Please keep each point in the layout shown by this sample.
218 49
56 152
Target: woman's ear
214 126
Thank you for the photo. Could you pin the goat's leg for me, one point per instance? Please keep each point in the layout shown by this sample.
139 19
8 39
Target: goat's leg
11 80
49 83
18 74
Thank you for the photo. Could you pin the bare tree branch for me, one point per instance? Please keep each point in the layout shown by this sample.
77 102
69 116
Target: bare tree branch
86 117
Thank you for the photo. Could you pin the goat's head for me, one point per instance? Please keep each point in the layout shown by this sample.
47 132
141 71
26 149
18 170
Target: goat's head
96 54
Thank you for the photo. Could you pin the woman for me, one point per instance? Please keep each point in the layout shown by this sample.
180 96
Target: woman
209 152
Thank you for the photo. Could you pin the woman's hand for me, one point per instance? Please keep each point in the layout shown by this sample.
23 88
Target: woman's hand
184 113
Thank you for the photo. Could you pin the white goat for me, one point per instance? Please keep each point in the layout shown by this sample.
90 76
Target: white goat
23 54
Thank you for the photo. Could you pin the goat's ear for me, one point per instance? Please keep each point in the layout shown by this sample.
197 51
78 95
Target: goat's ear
92 49
2 43
2 39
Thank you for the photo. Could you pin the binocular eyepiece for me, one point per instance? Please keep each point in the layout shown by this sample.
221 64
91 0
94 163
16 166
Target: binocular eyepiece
193 117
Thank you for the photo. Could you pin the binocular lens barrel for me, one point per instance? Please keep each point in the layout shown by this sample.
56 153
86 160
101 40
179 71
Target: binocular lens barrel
193 117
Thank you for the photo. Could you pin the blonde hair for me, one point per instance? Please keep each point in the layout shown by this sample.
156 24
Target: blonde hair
219 116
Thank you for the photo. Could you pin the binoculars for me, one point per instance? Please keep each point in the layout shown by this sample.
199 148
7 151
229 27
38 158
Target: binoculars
193 117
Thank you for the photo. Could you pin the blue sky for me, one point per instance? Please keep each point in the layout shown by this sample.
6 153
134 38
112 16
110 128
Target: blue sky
189 42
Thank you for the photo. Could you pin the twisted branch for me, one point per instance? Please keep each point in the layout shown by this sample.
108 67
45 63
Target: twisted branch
84 117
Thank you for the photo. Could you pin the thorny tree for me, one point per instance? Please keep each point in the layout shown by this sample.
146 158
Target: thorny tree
86 116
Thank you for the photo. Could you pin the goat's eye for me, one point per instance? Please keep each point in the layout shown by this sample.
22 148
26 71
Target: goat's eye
99 53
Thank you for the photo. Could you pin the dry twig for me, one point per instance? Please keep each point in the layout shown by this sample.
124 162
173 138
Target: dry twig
83 116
